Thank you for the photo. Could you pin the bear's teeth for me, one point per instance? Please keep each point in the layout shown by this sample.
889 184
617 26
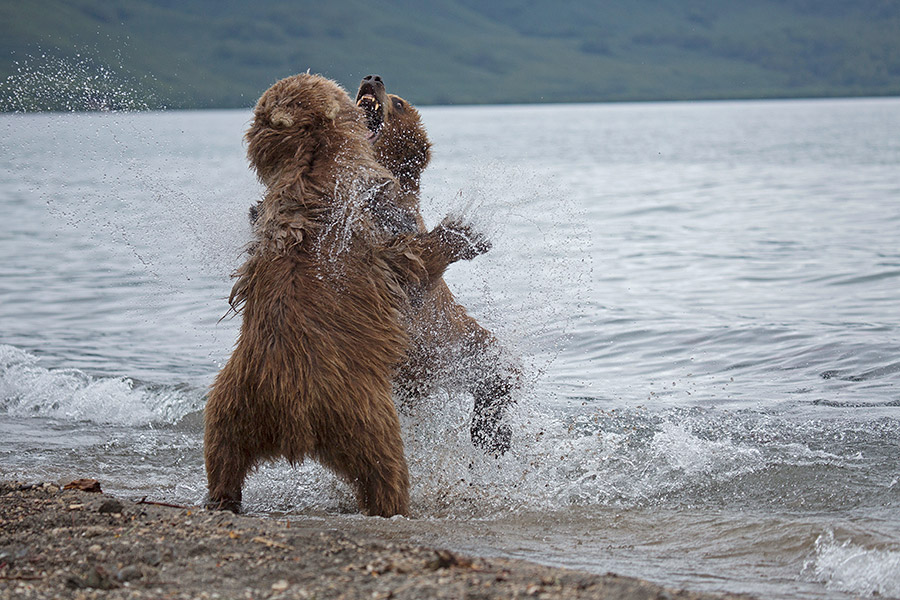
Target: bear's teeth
367 99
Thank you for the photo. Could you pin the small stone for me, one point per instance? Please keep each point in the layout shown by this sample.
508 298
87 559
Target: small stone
85 485
444 559
94 578
98 579
11 555
94 531
95 549
110 506
129 573
280 585
75 582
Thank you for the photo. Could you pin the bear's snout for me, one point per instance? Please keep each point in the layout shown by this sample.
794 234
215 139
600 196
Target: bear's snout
281 118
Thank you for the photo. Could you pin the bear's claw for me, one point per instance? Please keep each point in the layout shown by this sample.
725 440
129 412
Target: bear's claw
465 242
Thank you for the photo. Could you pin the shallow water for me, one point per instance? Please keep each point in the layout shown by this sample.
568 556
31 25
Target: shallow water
704 296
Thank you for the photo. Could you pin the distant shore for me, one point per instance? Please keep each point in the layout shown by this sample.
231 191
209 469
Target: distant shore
75 544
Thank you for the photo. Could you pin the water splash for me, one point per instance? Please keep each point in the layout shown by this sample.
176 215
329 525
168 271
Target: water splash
559 462
615 458
122 183
626 459
355 200
44 82
853 568
538 268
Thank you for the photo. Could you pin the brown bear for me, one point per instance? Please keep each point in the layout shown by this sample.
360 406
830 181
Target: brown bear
322 296
445 339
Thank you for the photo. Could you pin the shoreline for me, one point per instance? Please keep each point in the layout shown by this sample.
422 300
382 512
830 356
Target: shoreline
75 544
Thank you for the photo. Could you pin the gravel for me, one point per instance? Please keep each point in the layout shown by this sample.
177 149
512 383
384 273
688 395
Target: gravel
69 543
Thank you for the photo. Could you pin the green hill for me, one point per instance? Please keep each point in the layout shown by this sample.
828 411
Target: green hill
202 53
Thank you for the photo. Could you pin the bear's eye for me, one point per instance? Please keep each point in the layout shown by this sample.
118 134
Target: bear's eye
398 104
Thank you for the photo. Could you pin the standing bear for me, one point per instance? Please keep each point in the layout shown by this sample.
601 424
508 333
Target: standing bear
323 296
447 343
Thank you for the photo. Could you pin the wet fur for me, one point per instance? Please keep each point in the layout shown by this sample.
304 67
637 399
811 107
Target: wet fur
445 338
322 297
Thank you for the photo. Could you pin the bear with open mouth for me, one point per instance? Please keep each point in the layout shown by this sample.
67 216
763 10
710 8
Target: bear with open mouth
323 295
446 341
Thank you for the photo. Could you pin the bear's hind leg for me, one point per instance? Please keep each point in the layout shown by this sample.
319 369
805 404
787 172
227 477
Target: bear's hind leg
226 469
383 489
374 463
228 459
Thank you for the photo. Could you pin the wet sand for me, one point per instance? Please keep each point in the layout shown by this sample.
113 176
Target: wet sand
57 543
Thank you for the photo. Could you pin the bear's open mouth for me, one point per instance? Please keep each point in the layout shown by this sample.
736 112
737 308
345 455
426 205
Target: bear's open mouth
374 110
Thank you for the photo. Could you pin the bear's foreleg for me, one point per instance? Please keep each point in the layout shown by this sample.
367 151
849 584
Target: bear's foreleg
491 378
492 393
421 258
449 242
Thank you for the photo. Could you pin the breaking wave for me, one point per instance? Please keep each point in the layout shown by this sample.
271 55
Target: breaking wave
854 568
28 389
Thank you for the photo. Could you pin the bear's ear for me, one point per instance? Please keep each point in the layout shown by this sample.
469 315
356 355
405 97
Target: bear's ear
332 109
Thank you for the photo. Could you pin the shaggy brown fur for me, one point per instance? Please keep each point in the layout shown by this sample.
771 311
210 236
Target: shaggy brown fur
445 339
322 295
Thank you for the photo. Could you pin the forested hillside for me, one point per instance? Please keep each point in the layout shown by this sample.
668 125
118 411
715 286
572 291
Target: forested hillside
224 53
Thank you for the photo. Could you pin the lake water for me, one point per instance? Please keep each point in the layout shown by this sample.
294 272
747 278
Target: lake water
704 295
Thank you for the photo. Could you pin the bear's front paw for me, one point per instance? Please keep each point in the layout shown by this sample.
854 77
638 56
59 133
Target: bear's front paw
462 239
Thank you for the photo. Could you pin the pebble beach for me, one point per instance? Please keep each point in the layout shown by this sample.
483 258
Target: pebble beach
71 543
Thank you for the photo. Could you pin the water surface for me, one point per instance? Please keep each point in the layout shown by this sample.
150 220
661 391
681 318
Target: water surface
704 296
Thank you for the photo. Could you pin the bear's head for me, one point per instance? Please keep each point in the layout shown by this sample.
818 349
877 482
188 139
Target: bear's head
299 119
395 131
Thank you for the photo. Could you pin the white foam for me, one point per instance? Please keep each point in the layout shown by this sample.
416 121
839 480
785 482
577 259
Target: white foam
27 389
691 455
623 458
856 569
555 464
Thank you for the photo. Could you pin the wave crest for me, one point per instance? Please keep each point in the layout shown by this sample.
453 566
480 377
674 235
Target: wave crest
28 389
856 569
